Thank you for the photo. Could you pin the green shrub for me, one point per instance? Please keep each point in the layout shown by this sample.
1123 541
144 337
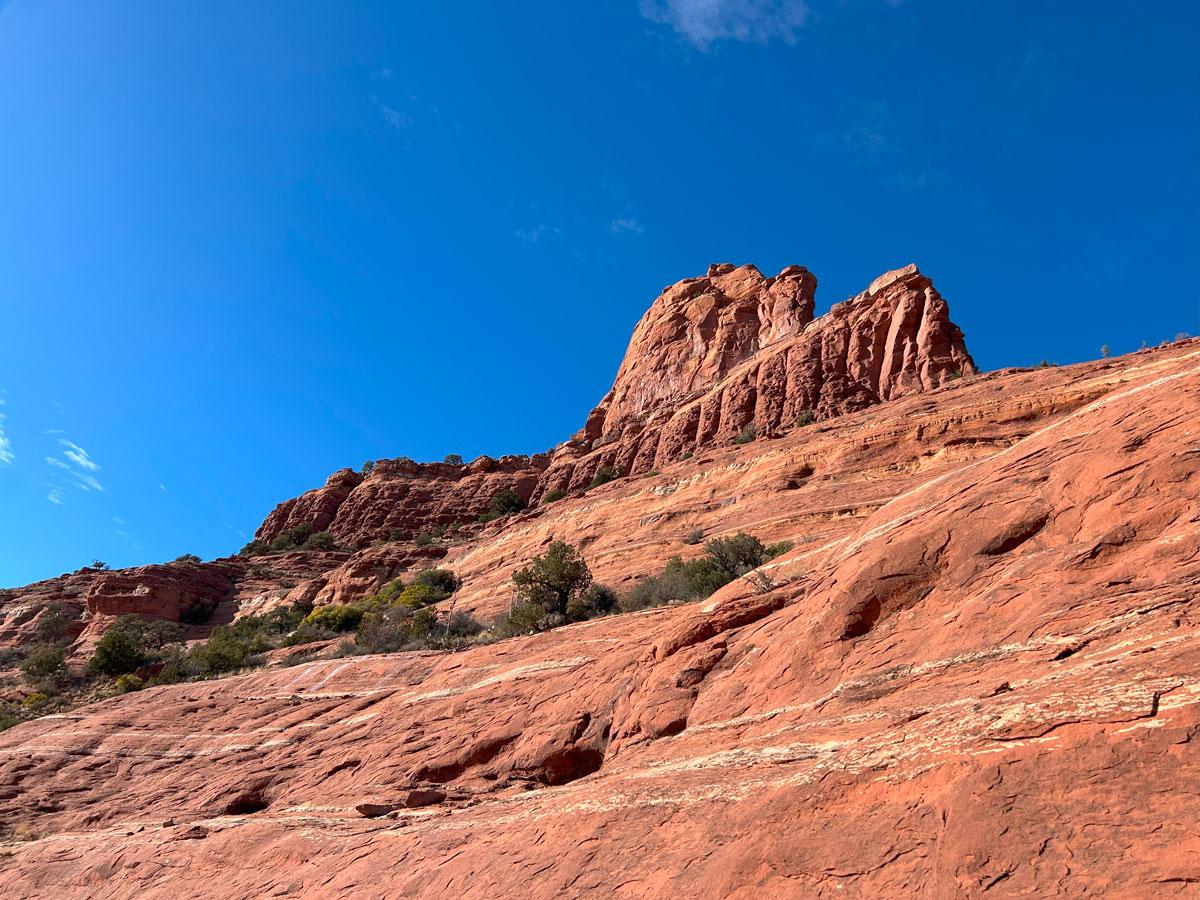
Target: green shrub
334 617
35 701
503 503
737 554
695 536
254 548
778 548
724 560
506 502
130 682
385 630
292 538
56 623
453 459
687 455
598 600
368 467
552 495
7 721
423 540
131 643
395 534
187 557
552 580
321 540
806 417
605 474
524 618
748 434
45 663
444 581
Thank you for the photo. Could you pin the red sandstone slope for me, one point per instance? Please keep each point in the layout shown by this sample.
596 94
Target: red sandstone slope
977 677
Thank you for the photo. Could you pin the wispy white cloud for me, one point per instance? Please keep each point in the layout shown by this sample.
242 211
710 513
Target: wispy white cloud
54 431
535 234
78 455
394 117
385 74
118 521
57 463
6 454
87 483
163 488
623 225
55 496
704 22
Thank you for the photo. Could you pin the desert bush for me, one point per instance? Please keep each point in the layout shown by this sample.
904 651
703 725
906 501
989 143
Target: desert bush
736 555
452 459
669 588
778 548
806 417
748 434
552 495
605 474
503 503
695 536
11 656
45 664
187 557
596 601
254 548
423 540
334 617
321 540
291 538
56 622
35 700
129 682
368 467
385 630
683 581
553 579
132 643
443 581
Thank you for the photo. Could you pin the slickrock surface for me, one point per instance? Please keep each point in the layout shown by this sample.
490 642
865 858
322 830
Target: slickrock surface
975 675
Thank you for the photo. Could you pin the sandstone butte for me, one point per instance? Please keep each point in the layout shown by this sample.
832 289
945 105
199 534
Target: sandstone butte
975 673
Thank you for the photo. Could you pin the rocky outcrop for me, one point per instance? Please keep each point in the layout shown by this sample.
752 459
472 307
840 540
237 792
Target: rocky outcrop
973 675
402 498
710 357
734 349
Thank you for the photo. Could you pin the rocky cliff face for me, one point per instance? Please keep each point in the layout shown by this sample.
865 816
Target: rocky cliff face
405 497
712 356
974 675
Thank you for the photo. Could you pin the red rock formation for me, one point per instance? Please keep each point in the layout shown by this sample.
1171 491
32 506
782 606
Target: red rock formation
711 356
714 355
403 496
979 678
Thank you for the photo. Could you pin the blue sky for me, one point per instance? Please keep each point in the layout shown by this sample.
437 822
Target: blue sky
243 245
